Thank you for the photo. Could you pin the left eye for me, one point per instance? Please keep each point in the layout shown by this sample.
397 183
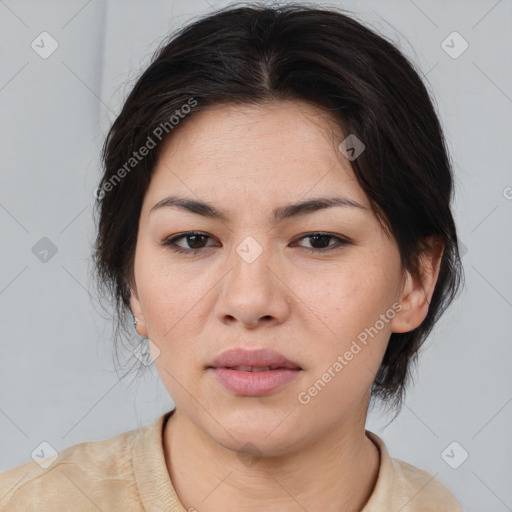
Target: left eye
195 241
322 240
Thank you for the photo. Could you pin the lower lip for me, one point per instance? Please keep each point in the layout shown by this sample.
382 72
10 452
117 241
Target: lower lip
254 383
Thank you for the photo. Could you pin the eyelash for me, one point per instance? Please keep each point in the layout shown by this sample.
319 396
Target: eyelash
170 242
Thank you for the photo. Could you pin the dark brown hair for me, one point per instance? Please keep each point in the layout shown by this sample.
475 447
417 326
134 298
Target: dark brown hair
251 54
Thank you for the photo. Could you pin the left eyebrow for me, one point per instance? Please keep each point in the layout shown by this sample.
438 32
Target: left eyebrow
283 212
313 205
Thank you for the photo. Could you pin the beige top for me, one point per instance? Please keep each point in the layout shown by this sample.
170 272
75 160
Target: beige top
128 472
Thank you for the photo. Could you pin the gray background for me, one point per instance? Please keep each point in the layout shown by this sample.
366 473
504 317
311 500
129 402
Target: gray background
57 378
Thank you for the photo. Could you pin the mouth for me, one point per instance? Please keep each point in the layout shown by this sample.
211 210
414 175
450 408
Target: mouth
258 368
254 360
253 373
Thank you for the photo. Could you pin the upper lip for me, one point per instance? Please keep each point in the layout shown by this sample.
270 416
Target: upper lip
256 358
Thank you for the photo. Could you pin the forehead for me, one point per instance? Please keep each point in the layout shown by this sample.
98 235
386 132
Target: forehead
277 148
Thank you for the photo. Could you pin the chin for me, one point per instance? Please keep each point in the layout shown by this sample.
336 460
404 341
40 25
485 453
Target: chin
262 431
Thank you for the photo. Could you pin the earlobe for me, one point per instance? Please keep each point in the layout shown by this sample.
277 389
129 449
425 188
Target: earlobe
417 290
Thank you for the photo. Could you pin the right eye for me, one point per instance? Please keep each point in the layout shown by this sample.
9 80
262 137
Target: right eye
193 239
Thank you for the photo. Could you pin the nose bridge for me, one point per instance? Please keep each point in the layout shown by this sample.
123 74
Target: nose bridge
251 291
250 263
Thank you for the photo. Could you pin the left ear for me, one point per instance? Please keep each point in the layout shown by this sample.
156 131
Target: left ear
417 290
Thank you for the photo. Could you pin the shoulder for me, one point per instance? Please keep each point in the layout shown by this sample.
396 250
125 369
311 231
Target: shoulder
426 492
402 486
83 475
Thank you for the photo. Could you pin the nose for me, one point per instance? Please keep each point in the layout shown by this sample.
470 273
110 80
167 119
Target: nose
254 291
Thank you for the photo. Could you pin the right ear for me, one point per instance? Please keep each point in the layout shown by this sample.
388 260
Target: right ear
136 308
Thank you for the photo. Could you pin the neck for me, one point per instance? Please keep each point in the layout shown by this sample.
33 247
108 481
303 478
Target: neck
337 472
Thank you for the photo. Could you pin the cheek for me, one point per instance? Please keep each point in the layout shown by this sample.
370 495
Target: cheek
345 298
346 363
170 297
177 304
349 309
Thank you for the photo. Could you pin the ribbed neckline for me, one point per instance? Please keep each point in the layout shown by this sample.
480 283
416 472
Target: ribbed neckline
379 499
151 474
157 491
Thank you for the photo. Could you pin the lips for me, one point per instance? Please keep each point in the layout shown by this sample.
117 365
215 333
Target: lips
253 373
253 360
255 368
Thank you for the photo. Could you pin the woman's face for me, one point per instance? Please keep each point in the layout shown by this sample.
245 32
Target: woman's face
257 281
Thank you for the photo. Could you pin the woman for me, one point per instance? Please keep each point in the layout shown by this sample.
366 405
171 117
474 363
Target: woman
275 214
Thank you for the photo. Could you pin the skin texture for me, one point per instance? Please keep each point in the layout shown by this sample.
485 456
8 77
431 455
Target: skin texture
309 306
